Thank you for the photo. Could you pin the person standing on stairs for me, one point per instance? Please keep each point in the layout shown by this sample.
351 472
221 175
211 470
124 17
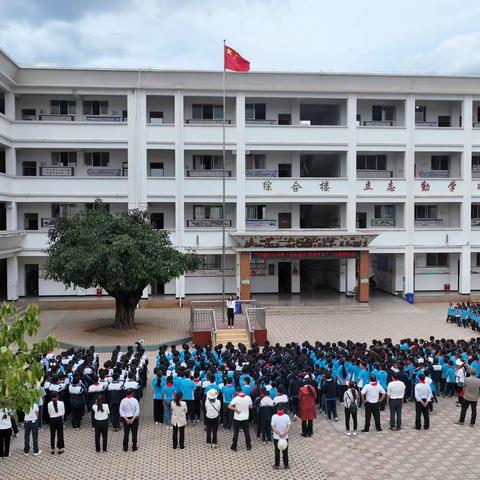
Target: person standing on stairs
230 304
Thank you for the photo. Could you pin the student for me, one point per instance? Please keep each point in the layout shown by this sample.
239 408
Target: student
372 394
227 391
241 405
93 391
470 397
5 432
77 395
115 395
350 402
281 397
306 408
395 392
266 412
101 412
130 411
280 427
179 420
423 396
56 411
213 408
230 304
329 389
31 420
168 390
157 387
451 386
187 387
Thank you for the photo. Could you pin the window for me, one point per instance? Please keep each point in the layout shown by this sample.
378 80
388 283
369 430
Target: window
477 260
210 262
476 163
64 209
156 117
96 206
475 211
207 112
97 159
284 119
256 212
437 259
255 161
29 169
255 111
2 103
385 211
377 113
156 220
63 107
361 219
2 161
29 114
444 121
420 113
371 162
439 162
64 159
284 220
30 221
207 162
284 170
207 212
426 211
95 107
156 169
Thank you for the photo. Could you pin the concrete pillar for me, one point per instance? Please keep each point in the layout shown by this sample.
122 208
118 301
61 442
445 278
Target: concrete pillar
11 161
363 291
180 287
295 276
10 105
351 207
295 164
351 274
408 272
240 162
12 278
237 273
179 168
295 111
137 149
465 270
12 216
409 211
245 276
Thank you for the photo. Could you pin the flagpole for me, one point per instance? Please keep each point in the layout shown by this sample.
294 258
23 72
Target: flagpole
223 191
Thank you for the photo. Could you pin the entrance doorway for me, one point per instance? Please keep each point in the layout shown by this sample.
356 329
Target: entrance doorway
316 275
31 280
3 279
158 288
284 277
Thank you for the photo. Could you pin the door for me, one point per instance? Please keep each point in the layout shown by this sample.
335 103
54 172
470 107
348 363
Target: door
361 220
158 289
284 220
31 280
284 277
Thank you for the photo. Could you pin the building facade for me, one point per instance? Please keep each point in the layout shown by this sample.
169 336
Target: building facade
331 178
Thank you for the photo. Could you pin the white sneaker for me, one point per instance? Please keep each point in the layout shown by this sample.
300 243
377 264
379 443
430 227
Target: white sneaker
38 453
354 433
347 433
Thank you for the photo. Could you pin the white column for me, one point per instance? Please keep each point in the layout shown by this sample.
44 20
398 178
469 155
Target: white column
10 105
180 287
240 161
351 207
179 168
295 164
237 273
11 161
137 149
465 257
408 271
12 216
295 111
351 274
12 278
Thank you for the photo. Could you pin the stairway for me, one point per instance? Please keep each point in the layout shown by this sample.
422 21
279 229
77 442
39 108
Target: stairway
234 335
320 309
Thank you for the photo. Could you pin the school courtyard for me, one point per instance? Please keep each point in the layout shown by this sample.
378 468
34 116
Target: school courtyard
330 454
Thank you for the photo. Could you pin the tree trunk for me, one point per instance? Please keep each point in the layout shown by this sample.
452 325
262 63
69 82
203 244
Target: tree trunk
125 312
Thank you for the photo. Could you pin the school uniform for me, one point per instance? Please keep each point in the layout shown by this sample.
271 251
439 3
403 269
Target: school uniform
5 432
115 394
31 420
56 424
266 412
179 420
213 408
158 411
168 391
227 392
77 396
101 426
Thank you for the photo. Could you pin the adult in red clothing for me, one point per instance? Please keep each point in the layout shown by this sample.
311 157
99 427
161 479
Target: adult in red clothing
306 408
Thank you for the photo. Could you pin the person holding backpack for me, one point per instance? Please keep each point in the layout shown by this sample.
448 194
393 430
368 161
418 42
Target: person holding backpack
350 401
307 397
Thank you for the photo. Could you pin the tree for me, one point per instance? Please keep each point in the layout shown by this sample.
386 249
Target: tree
20 370
123 254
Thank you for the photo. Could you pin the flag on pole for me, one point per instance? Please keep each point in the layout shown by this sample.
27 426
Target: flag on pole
234 61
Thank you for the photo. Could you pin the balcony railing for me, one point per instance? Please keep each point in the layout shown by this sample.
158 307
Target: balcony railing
260 224
103 118
475 173
475 222
47 222
260 172
428 222
434 173
206 121
383 222
209 223
374 174
476 124
252 121
208 173
426 124
53 117
54 171
379 123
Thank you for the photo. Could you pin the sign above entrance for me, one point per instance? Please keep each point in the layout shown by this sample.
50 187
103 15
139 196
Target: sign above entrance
303 241
301 255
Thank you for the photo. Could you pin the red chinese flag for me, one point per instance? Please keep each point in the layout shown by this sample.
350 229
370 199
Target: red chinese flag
234 61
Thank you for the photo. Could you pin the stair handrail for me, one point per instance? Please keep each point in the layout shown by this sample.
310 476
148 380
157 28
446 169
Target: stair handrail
214 328
250 329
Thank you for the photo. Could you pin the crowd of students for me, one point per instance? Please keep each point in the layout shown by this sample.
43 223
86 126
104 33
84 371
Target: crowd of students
253 389
466 314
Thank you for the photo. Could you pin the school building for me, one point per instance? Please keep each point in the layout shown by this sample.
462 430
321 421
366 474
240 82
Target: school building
331 178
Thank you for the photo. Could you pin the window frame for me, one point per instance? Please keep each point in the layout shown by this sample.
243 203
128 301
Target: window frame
97 159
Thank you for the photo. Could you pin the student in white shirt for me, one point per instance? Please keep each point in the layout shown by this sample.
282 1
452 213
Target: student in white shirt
56 411
241 405
423 397
101 412
213 407
280 427
5 432
130 411
395 393
230 304
372 395
31 427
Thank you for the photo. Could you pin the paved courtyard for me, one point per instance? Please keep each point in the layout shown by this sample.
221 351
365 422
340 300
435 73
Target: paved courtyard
442 451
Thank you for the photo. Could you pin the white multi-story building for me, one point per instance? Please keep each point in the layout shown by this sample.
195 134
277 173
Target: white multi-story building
330 177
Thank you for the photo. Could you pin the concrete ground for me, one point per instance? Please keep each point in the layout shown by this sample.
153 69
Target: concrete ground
442 451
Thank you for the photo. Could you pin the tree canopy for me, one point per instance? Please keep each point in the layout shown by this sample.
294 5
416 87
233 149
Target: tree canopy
20 370
122 254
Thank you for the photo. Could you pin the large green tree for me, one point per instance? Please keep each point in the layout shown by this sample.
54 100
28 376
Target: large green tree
20 370
123 254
